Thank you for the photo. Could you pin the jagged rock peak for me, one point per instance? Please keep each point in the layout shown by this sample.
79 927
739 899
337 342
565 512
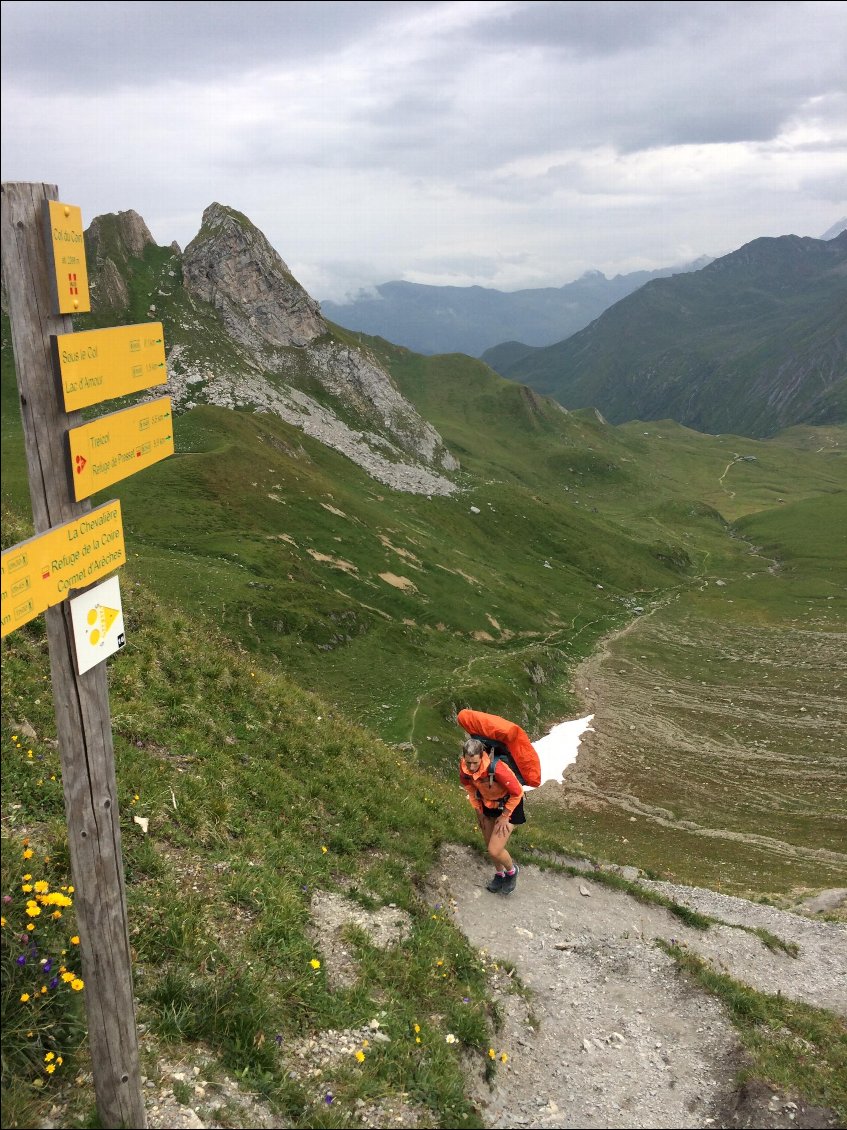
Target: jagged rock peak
231 265
117 235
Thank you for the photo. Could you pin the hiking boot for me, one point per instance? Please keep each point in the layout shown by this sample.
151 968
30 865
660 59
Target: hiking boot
509 882
496 884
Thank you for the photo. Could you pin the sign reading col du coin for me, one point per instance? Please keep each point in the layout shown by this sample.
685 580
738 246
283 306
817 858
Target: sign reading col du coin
65 236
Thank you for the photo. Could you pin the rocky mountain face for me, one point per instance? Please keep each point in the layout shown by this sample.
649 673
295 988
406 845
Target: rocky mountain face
111 242
241 332
230 265
754 342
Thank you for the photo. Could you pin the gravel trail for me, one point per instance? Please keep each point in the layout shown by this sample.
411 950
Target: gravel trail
610 1034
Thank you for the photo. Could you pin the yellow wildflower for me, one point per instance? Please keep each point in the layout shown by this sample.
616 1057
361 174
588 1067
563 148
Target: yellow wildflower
33 909
24 997
50 1068
30 925
27 878
315 964
504 1058
492 1054
42 887
28 853
26 888
49 1057
360 1056
75 940
67 976
2 921
417 1028
56 914
324 849
77 984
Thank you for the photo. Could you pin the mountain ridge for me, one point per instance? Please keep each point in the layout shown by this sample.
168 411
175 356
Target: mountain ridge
754 342
453 319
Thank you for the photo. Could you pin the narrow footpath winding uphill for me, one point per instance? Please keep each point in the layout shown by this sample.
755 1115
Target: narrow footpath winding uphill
610 1033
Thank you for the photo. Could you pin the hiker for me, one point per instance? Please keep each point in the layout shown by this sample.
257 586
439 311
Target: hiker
497 798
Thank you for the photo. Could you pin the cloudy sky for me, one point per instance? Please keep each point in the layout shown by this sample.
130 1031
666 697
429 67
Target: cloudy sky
507 144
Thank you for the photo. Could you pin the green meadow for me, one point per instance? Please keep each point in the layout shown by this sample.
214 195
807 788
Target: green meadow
299 638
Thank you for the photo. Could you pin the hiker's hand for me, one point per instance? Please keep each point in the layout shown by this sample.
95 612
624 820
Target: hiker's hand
501 827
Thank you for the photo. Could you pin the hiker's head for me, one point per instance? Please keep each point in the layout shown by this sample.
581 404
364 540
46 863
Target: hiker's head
472 751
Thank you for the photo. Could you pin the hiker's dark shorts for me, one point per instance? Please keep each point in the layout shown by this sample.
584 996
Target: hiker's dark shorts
517 816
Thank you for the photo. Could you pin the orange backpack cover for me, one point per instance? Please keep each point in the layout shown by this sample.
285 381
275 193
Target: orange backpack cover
511 735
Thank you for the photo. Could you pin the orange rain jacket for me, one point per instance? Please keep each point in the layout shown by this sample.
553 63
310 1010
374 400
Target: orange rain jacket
482 792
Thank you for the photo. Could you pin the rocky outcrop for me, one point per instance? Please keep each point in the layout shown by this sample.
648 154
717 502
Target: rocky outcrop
231 265
110 242
357 379
375 453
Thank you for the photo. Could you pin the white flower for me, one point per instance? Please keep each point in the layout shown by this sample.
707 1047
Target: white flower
451 1039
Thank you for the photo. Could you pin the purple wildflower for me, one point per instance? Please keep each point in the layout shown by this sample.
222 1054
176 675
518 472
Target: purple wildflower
278 1039
54 982
328 1097
48 965
22 959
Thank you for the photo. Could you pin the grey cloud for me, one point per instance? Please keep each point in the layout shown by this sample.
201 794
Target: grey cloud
116 44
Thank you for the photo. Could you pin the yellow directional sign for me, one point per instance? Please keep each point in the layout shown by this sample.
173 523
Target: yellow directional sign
43 570
66 239
97 365
114 447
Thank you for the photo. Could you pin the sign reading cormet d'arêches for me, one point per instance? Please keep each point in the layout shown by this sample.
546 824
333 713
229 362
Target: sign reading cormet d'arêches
113 447
68 243
45 569
97 365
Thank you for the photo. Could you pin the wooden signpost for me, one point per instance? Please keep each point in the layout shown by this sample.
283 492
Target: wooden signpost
59 372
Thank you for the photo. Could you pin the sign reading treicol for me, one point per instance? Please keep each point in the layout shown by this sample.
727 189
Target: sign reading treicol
98 365
43 570
113 447
65 232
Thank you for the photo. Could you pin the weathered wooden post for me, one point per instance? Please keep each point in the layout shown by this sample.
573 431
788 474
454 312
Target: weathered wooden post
82 702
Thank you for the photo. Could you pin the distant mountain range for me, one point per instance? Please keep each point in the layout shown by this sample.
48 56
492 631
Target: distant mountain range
471 319
753 342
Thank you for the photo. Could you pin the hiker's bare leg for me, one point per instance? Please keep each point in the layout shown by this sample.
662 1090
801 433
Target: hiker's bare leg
496 835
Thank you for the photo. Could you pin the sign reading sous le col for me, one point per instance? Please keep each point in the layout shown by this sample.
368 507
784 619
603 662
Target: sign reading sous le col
97 365
114 447
42 571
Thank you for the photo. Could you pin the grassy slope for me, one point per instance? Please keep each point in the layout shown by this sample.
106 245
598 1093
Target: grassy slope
246 775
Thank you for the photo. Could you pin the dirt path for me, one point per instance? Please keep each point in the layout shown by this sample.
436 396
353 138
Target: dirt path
610 1034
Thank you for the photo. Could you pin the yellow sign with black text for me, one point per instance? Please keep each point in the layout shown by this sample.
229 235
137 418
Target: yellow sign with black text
68 242
45 569
114 447
97 365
